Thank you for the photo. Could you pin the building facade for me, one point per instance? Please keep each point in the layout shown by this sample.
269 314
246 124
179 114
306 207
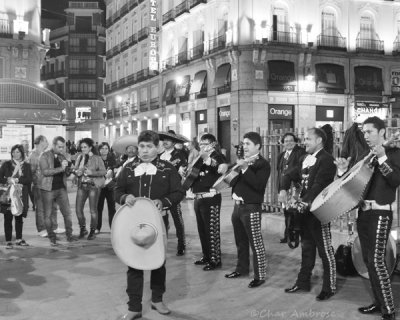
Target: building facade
26 109
133 81
75 69
231 66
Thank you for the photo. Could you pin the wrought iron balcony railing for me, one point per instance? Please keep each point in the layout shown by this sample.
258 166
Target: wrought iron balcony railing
197 52
216 44
181 8
369 45
182 57
331 42
168 16
283 37
193 3
143 33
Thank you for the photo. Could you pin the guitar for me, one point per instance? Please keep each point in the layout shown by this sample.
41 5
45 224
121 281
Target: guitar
194 168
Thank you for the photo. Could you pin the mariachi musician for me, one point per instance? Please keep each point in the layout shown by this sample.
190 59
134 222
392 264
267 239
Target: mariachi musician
178 159
248 190
375 214
317 172
207 202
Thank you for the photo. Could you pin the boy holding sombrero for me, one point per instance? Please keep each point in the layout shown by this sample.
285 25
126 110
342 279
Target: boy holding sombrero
157 180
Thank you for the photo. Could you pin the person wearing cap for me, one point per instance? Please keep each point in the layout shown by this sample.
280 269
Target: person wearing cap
178 159
157 180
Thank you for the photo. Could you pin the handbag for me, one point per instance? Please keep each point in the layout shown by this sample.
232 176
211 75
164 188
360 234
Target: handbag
17 206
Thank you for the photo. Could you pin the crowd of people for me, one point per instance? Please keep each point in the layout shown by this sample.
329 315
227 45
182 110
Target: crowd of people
165 176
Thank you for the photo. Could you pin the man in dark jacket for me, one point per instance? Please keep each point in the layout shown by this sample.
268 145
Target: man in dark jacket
317 172
157 180
248 190
288 162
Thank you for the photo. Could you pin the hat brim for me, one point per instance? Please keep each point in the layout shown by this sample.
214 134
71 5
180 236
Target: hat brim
122 142
174 137
131 254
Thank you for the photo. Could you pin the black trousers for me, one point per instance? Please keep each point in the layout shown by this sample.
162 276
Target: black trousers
286 214
315 236
19 222
373 228
246 221
105 194
207 216
176 213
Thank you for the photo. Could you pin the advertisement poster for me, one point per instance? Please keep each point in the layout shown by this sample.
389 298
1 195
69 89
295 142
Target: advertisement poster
10 135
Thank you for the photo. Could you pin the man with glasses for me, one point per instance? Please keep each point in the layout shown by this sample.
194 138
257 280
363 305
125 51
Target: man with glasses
288 162
207 202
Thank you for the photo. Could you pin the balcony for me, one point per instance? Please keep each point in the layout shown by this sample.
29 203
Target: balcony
182 57
285 38
168 16
83 5
168 63
114 85
197 52
143 33
336 43
124 44
140 1
134 108
369 46
130 79
5 29
193 3
108 22
226 88
109 54
60 73
52 53
181 8
122 83
154 103
132 40
83 95
142 75
216 44
117 112
124 10
82 49
396 46
133 4
110 114
201 94
143 106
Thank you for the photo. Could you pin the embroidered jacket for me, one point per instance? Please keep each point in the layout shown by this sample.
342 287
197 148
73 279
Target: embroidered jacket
251 184
164 184
287 167
208 173
386 179
178 158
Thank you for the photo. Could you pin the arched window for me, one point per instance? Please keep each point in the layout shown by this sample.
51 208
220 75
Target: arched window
328 23
280 19
367 27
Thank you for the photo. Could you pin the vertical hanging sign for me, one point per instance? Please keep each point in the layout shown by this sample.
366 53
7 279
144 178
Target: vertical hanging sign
153 53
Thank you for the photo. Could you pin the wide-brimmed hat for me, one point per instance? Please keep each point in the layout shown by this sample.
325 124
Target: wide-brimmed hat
122 142
171 135
138 235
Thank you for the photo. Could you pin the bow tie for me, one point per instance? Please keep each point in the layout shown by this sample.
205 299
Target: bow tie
145 168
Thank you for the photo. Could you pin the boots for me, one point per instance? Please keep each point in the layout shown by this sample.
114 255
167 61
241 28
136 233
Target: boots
92 234
83 232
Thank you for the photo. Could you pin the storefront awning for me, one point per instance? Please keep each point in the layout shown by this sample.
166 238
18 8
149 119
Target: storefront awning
330 78
368 80
281 75
169 92
183 88
222 77
198 81
25 102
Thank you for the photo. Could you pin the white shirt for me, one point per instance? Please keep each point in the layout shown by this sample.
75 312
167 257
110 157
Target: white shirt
167 154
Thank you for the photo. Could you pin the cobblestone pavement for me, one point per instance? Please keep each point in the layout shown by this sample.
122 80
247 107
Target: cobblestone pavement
86 281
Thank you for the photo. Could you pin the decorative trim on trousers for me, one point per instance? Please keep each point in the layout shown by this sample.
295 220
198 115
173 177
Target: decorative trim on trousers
330 254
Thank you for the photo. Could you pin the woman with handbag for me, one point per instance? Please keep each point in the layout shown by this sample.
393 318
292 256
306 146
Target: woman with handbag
18 173
90 170
110 162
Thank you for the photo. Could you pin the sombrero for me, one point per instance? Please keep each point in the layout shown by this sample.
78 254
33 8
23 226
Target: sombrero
171 135
138 235
122 142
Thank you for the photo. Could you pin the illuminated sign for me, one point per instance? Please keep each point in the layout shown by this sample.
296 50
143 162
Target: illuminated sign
280 112
153 53
395 77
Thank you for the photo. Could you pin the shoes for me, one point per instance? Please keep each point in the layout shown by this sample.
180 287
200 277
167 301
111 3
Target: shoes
180 252
21 243
160 307
33 208
131 315
53 242
9 245
233 275
294 289
83 232
212 265
91 235
72 238
283 240
201 262
255 283
391 316
97 231
324 295
373 308
59 230
43 234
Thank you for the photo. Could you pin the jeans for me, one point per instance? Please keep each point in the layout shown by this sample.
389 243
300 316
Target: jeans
59 196
40 224
81 197
8 218
105 193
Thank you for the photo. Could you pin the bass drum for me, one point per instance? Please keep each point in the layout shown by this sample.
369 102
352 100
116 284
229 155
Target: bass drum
391 255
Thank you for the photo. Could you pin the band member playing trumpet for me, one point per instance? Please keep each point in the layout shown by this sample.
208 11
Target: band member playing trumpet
375 215
157 180
207 203
317 172
248 190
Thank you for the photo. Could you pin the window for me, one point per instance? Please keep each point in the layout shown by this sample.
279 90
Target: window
154 92
82 65
143 95
367 29
328 21
281 17
82 89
